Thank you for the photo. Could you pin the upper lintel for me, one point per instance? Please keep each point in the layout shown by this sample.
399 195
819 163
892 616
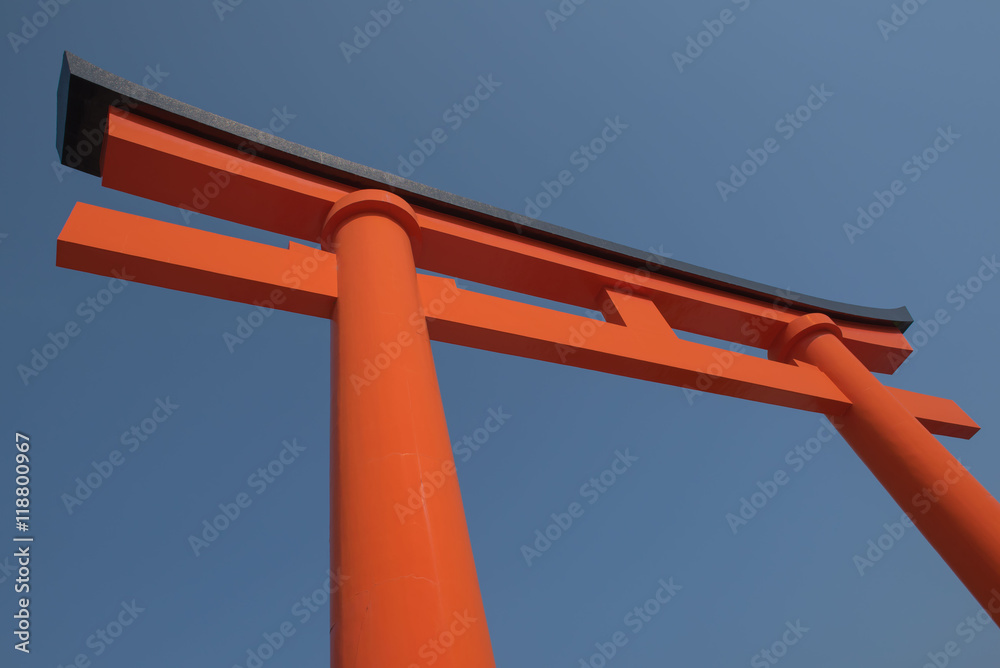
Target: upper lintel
86 92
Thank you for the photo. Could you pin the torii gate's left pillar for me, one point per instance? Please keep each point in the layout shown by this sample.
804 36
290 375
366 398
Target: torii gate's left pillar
409 589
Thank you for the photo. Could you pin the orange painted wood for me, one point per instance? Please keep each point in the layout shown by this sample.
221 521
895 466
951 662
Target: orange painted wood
99 240
411 594
637 341
956 514
150 160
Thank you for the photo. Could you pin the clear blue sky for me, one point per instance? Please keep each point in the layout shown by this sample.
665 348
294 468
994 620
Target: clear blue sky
887 94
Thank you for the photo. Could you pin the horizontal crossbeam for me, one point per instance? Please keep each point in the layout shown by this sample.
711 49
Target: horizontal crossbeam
157 162
635 342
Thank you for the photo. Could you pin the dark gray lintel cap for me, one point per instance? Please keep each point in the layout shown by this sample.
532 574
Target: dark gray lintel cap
86 92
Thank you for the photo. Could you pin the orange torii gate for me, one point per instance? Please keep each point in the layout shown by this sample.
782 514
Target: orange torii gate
407 581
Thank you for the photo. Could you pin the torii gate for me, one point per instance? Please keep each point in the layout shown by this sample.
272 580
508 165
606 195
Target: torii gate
408 581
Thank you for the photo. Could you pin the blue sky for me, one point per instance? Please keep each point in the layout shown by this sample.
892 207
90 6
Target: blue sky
214 417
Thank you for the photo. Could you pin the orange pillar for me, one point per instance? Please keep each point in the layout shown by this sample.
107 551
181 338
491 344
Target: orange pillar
409 595
956 514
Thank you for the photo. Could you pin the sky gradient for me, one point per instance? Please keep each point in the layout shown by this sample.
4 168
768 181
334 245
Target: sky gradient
197 420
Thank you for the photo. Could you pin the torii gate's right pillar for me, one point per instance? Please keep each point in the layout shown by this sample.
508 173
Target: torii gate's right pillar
956 514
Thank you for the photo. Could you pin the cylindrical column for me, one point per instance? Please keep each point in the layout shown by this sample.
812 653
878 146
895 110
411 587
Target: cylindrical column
409 594
956 514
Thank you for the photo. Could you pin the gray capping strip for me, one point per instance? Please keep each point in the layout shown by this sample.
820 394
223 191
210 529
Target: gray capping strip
86 91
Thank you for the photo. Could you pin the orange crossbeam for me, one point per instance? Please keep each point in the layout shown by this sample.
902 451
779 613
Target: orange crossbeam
636 342
156 162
